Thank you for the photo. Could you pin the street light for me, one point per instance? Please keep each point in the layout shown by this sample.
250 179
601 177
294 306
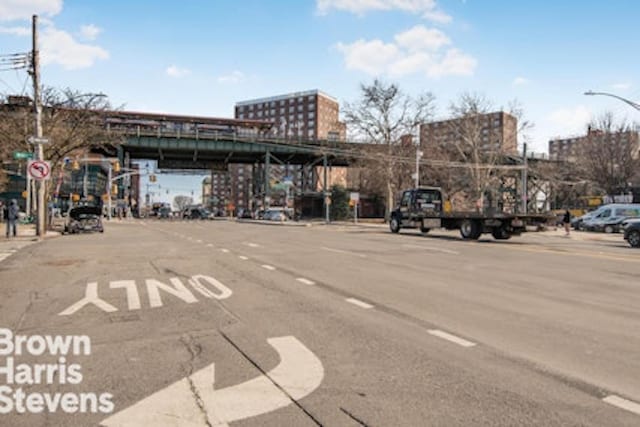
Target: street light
626 101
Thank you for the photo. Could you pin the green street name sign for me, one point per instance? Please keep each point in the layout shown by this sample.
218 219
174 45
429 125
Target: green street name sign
19 155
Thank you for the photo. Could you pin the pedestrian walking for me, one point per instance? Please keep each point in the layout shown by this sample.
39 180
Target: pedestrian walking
11 214
566 220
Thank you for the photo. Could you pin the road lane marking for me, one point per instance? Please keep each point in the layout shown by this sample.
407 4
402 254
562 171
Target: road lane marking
253 245
298 374
359 303
198 241
226 251
305 281
622 403
571 252
209 245
268 267
242 257
340 251
431 248
454 339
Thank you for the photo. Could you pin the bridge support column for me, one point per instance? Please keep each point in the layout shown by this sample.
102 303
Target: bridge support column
326 190
267 174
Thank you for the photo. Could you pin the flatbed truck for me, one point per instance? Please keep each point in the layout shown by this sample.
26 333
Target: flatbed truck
422 208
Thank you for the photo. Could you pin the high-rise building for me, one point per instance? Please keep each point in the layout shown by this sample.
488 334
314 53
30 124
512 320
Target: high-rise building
568 149
297 118
305 115
496 131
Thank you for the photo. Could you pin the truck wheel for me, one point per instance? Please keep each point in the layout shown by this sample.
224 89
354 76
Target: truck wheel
394 224
608 229
500 234
424 230
470 230
634 238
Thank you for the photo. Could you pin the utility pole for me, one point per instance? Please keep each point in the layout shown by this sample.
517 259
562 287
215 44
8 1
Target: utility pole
35 74
525 193
418 157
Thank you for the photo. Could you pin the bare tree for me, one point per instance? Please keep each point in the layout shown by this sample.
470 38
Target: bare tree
180 202
609 155
474 144
72 121
384 115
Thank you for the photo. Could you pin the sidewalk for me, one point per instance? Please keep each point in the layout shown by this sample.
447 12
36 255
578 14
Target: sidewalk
26 232
581 235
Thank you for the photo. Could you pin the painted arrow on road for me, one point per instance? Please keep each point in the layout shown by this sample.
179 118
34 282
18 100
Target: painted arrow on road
193 401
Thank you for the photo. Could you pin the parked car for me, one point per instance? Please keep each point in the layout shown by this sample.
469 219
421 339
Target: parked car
84 219
274 215
577 222
609 218
632 233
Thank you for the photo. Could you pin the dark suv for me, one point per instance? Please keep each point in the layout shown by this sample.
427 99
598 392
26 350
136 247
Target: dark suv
632 234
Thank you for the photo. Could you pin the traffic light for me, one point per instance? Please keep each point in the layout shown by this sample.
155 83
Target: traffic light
75 166
152 178
116 166
114 190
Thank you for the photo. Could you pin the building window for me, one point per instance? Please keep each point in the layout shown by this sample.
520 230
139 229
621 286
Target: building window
300 107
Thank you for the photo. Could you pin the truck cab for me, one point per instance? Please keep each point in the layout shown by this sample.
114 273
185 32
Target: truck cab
419 208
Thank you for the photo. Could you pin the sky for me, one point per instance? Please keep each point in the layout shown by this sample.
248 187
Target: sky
200 57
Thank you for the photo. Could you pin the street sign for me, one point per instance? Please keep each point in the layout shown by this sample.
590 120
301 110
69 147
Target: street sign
34 140
21 155
39 169
354 197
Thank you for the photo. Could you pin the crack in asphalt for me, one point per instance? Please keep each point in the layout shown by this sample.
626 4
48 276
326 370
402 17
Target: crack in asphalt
278 386
353 417
194 350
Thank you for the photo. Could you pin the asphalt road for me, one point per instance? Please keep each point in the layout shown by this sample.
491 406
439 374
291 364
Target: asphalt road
223 323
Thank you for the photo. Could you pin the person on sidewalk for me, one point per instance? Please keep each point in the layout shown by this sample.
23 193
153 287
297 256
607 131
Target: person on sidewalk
11 214
566 220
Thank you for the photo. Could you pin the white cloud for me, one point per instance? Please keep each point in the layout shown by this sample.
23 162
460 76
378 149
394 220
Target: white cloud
16 31
416 50
520 81
372 57
437 16
90 32
177 72
59 47
621 86
570 120
420 37
234 77
427 8
454 63
23 9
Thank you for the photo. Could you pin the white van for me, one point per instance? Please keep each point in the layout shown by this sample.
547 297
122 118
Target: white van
609 218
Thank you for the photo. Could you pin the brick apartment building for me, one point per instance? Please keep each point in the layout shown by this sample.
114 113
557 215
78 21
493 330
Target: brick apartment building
296 117
497 130
568 149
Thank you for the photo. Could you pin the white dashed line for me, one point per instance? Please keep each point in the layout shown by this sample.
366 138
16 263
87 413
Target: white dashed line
431 248
198 241
305 281
242 257
209 245
358 303
268 267
253 245
622 403
340 251
226 251
454 339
